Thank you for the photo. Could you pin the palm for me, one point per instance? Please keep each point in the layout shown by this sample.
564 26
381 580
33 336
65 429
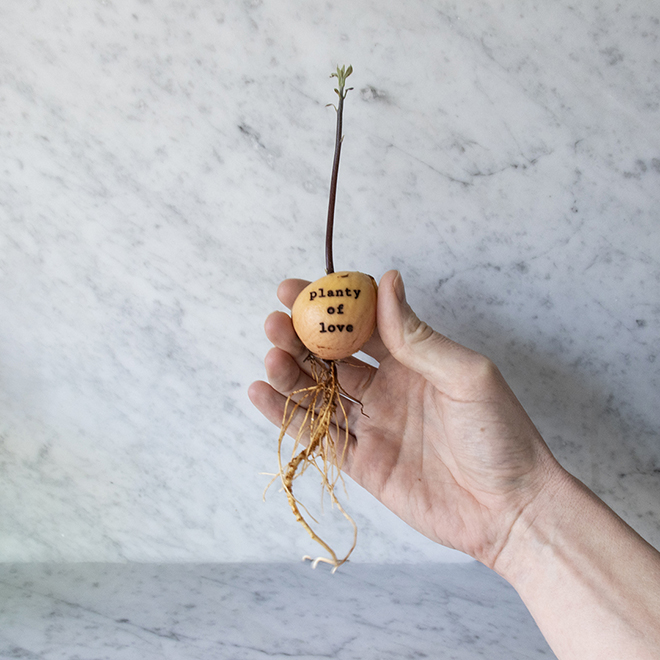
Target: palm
417 452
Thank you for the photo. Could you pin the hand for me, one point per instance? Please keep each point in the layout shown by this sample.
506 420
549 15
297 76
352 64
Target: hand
448 447
444 444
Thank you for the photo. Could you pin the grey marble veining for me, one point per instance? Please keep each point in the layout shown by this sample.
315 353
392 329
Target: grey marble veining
164 165
253 611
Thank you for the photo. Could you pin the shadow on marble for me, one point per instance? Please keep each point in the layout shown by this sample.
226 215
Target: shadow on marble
253 611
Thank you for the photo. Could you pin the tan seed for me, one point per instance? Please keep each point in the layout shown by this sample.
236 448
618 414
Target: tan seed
336 315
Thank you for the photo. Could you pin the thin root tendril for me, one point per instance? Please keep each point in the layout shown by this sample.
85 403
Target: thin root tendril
321 404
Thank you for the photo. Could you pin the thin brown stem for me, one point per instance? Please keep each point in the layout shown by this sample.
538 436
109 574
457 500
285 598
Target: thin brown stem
341 76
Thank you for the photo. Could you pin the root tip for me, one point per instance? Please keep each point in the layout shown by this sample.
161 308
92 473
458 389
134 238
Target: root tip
315 562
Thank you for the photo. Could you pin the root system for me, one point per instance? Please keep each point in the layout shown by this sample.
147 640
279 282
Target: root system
319 410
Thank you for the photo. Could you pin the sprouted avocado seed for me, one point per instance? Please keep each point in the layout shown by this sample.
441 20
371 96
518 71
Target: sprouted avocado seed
333 317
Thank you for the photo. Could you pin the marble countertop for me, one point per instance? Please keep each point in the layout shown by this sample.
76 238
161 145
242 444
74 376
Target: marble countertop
164 165
254 611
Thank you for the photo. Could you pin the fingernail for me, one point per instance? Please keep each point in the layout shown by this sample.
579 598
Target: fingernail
399 288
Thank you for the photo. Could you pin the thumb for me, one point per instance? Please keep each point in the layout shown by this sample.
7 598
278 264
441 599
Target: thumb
415 344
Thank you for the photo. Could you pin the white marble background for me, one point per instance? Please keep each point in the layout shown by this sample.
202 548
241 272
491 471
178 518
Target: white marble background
163 165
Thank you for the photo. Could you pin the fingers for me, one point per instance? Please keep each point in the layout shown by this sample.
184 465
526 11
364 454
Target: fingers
284 373
268 401
280 333
288 291
452 368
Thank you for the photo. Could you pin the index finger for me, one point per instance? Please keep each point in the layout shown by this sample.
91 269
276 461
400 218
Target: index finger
288 290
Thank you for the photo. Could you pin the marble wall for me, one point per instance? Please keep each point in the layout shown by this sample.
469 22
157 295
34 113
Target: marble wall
163 165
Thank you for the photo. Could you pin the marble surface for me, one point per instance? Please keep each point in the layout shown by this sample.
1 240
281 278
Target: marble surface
163 165
252 611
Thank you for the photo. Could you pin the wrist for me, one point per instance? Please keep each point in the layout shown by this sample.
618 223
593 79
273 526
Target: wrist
534 532
591 582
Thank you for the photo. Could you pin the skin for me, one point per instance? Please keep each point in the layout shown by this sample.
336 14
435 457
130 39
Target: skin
448 448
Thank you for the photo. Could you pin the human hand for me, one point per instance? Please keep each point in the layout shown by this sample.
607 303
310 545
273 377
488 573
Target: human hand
444 443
